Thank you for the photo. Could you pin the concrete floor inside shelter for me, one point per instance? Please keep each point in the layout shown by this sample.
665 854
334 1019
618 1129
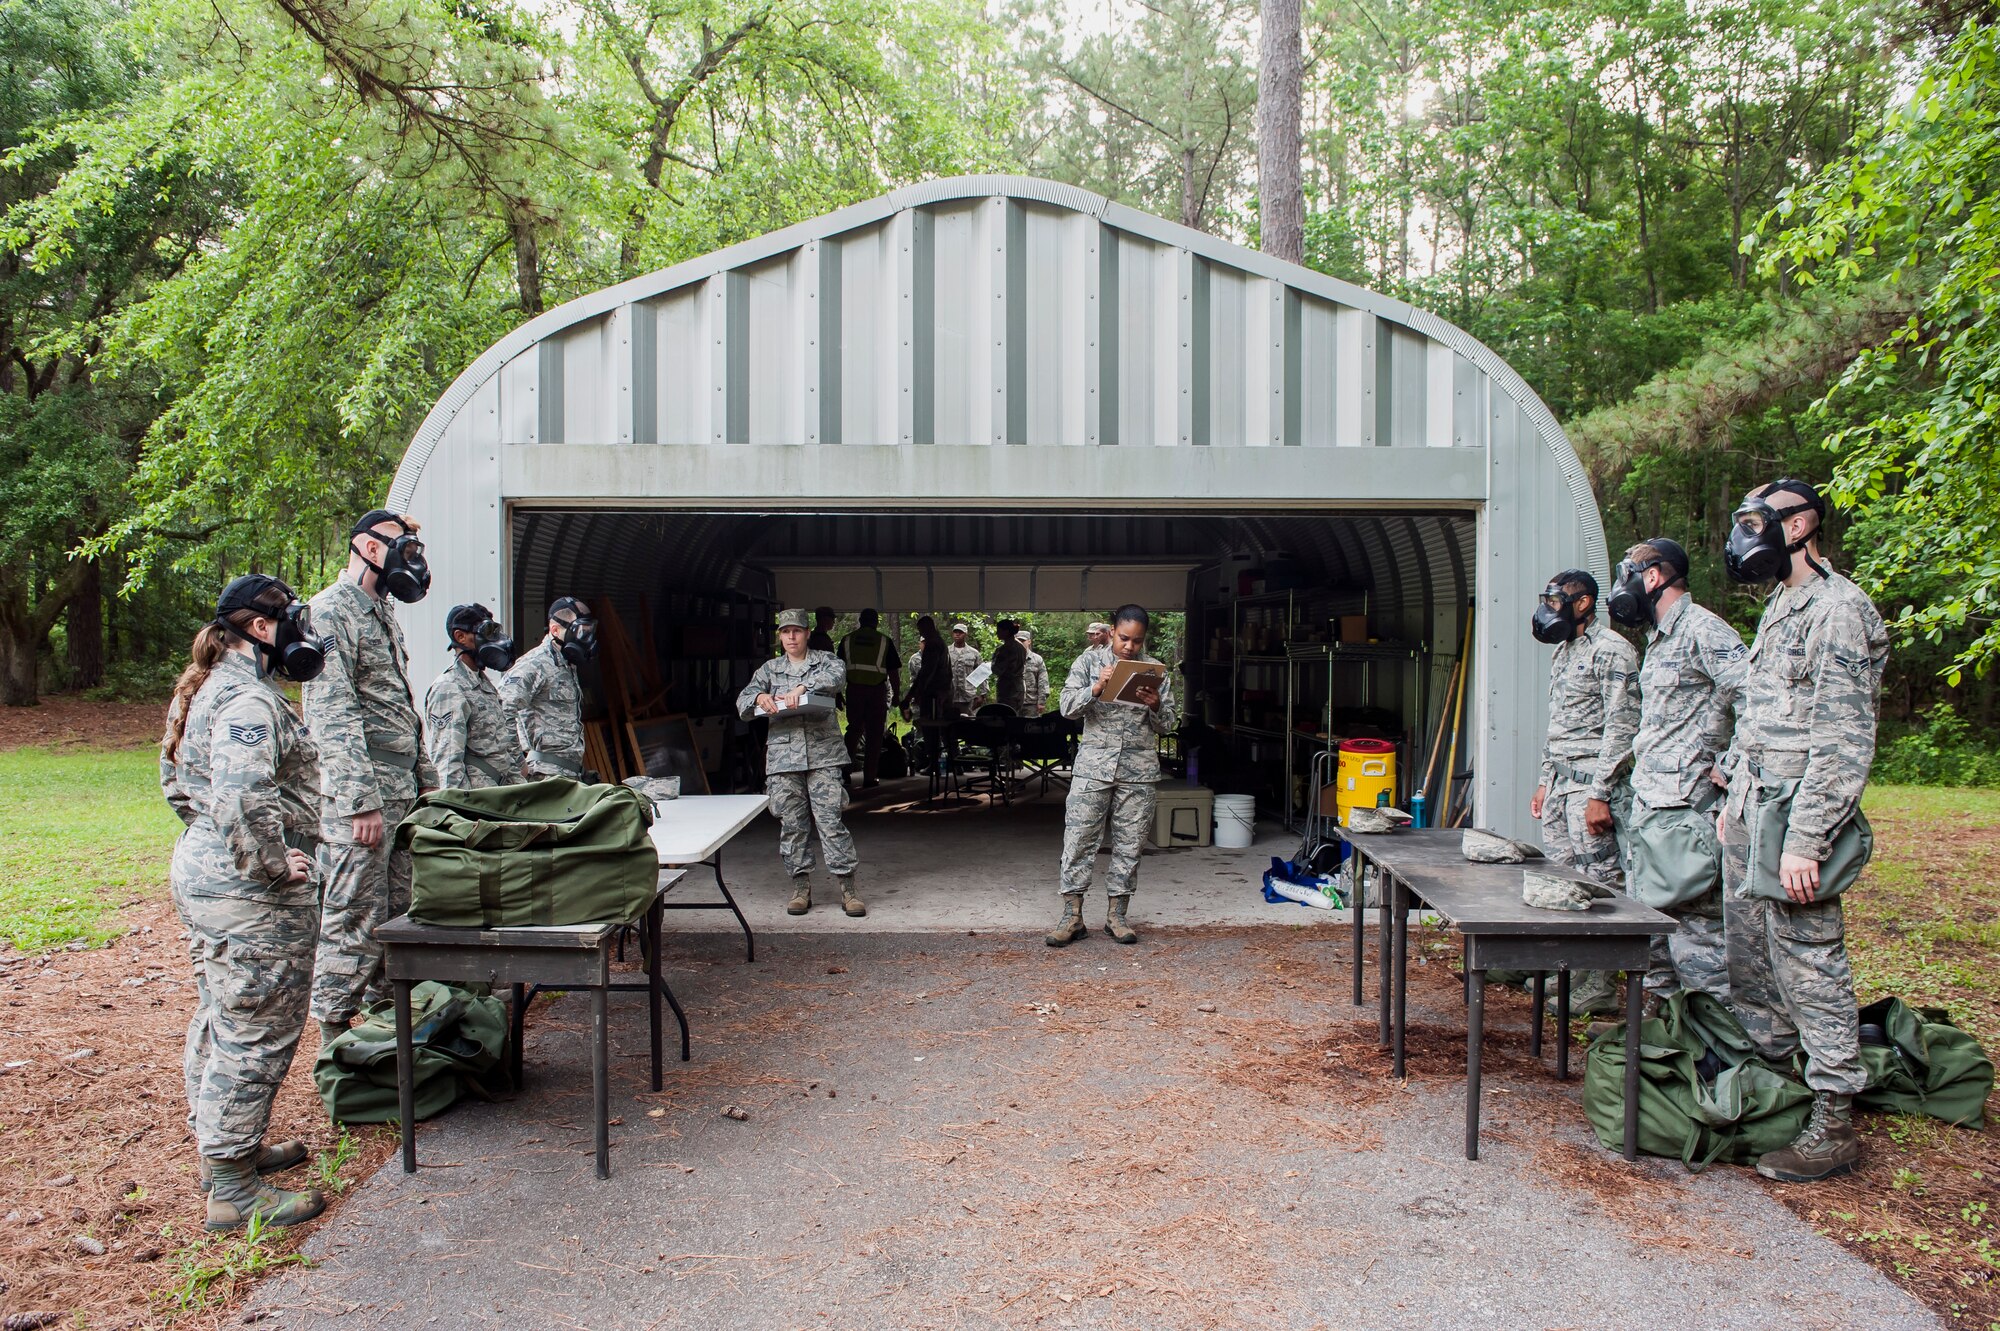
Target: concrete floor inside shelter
975 865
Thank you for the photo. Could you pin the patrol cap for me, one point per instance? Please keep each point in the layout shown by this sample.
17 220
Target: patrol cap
466 618
1672 554
960 627
1573 576
1024 635
1099 626
794 619
261 592
577 609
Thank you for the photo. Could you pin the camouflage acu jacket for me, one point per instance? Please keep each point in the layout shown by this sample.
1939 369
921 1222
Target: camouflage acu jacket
1593 713
1035 684
1811 691
246 781
798 744
361 710
1688 684
467 732
545 699
1120 742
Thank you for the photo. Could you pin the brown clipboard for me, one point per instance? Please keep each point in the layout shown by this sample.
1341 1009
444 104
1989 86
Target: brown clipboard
1127 676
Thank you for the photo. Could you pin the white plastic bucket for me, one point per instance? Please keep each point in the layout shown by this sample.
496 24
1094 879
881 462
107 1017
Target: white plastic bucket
1235 820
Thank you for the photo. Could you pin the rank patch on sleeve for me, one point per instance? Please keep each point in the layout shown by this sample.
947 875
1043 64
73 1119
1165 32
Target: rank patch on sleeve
251 734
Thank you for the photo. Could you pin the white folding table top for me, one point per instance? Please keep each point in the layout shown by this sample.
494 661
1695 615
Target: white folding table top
690 829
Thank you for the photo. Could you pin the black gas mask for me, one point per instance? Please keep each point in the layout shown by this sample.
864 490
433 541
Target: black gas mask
1630 603
493 649
294 652
1757 550
1555 618
577 636
404 573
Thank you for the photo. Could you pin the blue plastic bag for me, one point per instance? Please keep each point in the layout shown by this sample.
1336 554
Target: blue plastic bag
1285 871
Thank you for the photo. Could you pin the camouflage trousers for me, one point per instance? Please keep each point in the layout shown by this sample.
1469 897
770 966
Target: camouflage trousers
252 977
362 888
1693 956
1097 812
1567 839
803 801
1789 980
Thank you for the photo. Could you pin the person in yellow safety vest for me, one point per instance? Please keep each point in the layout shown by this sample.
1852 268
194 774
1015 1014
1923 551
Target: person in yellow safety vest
874 685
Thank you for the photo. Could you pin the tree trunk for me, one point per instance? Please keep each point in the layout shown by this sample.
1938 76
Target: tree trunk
86 630
1190 191
1280 191
527 260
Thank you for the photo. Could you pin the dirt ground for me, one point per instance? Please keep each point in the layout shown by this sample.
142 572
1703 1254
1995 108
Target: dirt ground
65 721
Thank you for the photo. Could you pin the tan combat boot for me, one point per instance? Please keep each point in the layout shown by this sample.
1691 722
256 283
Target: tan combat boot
1070 927
272 1158
848 901
236 1195
802 895
1114 921
1828 1146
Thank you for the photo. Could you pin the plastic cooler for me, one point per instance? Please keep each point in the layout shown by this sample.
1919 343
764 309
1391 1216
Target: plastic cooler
1183 816
1366 777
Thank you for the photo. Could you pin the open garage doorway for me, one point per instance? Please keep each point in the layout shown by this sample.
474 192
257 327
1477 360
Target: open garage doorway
1287 632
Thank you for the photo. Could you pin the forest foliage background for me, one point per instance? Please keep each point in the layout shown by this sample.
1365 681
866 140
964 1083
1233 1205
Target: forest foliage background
244 244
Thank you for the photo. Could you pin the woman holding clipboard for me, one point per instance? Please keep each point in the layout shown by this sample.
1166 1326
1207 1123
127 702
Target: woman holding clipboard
1126 703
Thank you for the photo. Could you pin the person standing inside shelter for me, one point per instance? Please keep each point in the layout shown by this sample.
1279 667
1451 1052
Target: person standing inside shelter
1593 714
468 733
964 660
1113 785
364 719
822 634
1805 739
1098 634
544 695
243 775
803 756
1010 667
874 685
1688 684
1035 676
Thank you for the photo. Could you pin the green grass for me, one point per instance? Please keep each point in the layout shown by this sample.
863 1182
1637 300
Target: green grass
80 834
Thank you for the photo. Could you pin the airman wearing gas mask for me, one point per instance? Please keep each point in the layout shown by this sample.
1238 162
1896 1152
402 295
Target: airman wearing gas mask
467 731
545 696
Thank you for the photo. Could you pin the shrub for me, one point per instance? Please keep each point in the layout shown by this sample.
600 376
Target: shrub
1941 753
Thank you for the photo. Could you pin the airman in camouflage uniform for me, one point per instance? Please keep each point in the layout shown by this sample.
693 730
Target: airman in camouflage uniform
964 660
1034 678
1692 673
1113 782
1593 714
470 737
372 768
545 697
242 773
1807 715
803 757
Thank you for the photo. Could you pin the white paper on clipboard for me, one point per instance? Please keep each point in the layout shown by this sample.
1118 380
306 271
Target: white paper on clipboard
980 674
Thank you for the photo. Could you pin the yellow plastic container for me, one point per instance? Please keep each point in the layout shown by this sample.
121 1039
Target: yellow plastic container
1365 777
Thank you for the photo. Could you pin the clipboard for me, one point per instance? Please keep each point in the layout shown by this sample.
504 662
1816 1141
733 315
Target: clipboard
1126 679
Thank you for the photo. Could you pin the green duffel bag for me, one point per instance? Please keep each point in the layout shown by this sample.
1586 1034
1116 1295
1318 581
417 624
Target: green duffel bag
458 1047
1674 857
1923 1064
541 853
1853 846
1704 1094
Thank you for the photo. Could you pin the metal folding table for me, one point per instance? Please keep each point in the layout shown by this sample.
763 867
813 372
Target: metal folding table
692 830
1483 903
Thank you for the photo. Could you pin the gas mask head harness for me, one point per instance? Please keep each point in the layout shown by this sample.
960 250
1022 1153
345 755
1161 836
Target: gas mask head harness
1757 550
492 649
1630 603
1555 619
576 637
404 573
293 652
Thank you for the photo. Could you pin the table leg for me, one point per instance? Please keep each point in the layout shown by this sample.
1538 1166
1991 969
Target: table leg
1539 989
652 945
1355 913
1384 929
600 1074
1475 1036
680 1016
749 939
406 1077
1634 988
519 1018
1399 1015
1562 1024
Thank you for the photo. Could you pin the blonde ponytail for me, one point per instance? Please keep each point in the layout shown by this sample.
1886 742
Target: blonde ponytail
209 645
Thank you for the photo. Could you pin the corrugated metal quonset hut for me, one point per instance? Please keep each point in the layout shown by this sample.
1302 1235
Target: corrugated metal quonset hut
1003 393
